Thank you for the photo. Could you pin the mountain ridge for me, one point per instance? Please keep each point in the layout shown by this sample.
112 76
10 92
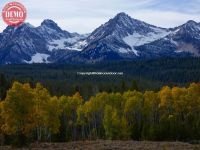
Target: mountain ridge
121 38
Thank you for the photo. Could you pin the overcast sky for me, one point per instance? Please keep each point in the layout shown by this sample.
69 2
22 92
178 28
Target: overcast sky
84 16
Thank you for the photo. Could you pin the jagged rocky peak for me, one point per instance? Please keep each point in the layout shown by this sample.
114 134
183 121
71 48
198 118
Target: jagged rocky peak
122 25
50 24
121 37
20 27
50 30
190 28
120 20
127 21
26 24
8 29
122 17
191 22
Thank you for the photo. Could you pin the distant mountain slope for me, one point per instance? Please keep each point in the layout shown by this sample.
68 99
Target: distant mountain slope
121 38
182 41
118 38
28 44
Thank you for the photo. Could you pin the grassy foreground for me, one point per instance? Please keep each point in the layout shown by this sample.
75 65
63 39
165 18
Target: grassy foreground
111 145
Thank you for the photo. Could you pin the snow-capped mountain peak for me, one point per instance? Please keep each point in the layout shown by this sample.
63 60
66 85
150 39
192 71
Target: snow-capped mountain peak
121 25
51 31
122 34
29 44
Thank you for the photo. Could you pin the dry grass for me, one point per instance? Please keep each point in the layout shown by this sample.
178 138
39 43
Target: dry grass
111 145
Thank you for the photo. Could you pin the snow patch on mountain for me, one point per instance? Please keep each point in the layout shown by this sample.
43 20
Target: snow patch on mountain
124 51
57 44
136 52
73 40
174 42
137 39
178 51
75 43
39 58
79 45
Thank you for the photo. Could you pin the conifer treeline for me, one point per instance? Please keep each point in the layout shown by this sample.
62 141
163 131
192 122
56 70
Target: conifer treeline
31 114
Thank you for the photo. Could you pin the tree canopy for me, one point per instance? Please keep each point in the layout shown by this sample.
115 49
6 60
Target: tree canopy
33 113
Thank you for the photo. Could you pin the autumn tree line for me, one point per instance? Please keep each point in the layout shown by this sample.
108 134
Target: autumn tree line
32 114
